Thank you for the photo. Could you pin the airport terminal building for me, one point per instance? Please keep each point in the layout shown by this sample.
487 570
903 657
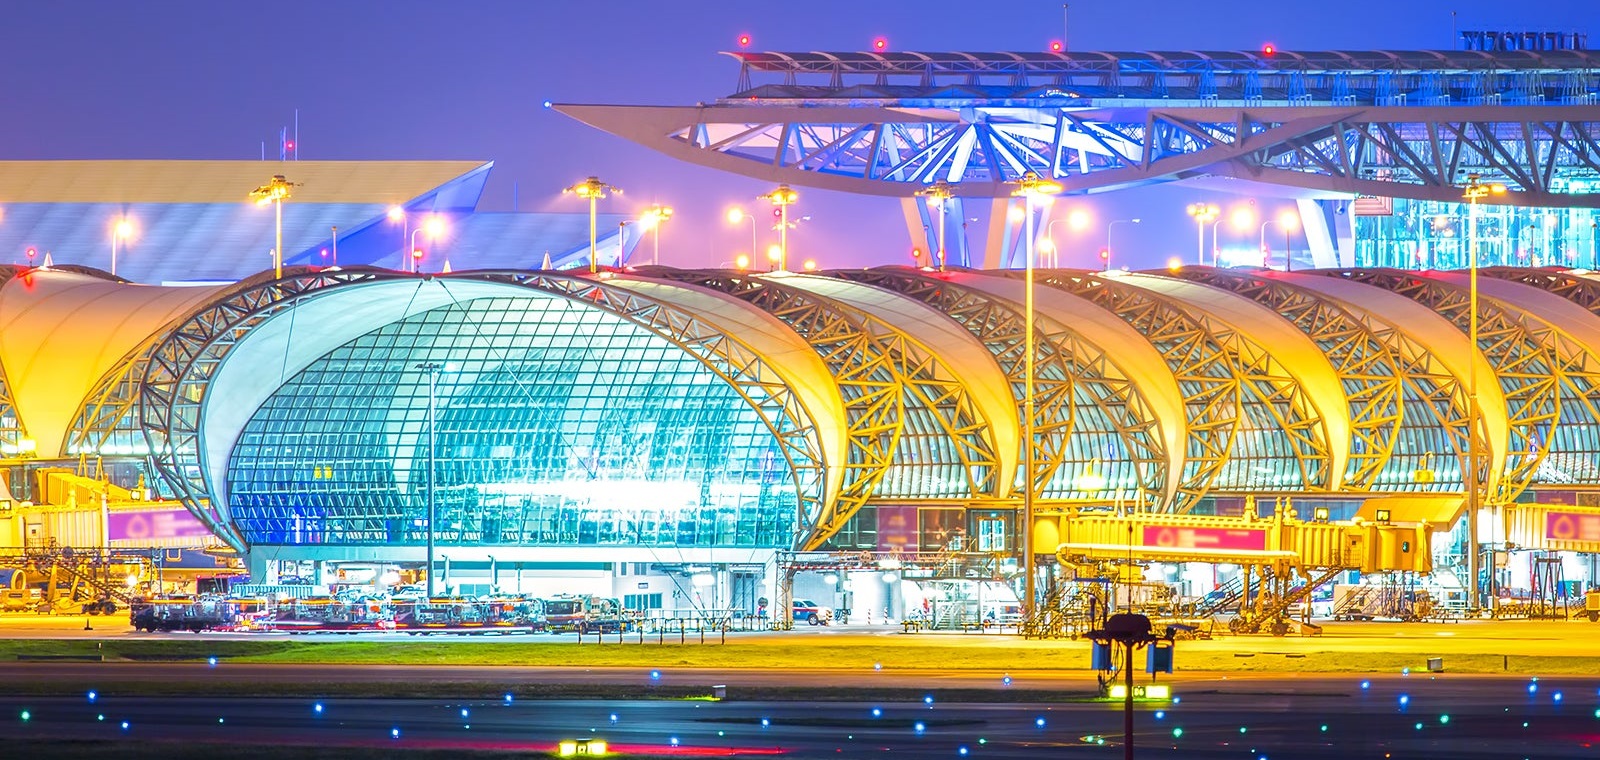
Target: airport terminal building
706 423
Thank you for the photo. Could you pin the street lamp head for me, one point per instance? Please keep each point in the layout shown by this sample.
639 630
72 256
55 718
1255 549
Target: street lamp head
1032 185
938 193
435 225
774 253
735 215
1289 221
1078 219
396 214
276 189
123 228
1135 221
810 265
782 196
1242 218
742 261
593 188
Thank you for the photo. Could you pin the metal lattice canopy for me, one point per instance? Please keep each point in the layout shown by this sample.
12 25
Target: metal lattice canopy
1407 124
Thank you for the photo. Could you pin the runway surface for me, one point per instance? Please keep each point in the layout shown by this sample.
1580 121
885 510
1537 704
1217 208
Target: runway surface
1303 718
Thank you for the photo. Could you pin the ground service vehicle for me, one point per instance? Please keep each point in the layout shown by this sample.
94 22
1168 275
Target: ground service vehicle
584 614
808 611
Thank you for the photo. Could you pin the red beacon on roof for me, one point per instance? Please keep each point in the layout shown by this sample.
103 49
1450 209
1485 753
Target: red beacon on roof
880 44
744 40
1269 49
1056 46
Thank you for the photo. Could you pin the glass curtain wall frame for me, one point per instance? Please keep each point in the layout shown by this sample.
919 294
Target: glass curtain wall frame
558 425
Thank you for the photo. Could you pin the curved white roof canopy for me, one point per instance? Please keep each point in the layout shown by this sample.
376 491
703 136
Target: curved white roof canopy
1292 349
958 351
1124 347
1449 345
60 332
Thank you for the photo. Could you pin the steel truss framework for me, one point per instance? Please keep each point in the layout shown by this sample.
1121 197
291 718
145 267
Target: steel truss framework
885 377
1081 396
1230 384
1546 376
1396 390
1408 125
182 363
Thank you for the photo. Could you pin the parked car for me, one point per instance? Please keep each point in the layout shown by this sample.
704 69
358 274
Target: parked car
809 612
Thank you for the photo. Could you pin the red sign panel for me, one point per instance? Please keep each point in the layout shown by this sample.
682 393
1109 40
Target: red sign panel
1178 537
1572 526
155 525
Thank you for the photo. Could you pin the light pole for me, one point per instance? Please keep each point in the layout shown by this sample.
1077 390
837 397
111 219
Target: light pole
939 195
782 197
1202 213
1286 222
1475 190
653 218
1241 218
275 192
1108 237
434 226
121 230
595 190
1030 188
737 215
432 368
336 246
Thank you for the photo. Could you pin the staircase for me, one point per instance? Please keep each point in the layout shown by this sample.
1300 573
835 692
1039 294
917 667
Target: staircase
1232 594
1271 613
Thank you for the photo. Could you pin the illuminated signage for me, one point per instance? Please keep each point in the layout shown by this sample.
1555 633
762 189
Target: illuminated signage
1496 42
1178 537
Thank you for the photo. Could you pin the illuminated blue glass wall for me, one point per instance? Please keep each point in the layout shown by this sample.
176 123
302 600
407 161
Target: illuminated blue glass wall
558 425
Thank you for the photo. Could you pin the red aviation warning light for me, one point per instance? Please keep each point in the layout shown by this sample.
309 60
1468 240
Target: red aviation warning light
416 253
32 252
1056 46
1105 254
744 40
880 44
1269 49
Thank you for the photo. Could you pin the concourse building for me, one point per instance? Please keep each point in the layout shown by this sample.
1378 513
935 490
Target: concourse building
671 436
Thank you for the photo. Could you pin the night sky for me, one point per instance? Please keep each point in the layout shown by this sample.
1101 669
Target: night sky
405 79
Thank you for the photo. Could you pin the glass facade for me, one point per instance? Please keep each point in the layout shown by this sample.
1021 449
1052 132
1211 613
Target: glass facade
557 425
1433 235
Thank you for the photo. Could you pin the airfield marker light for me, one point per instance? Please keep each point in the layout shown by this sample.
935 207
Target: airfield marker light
1419 725
93 696
1177 733
877 712
1405 699
124 725
1006 680
765 722
655 675
317 708
920 727
1444 720
1161 714
508 698
928 700
1324 728
1557 696
962 751
463 712
1366 685
394 733
1038 722
26 716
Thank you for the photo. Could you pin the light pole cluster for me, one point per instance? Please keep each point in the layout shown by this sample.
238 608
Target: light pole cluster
782 198
1202 213
275 192
121 230
939 195
1030 188
595 191
1475 190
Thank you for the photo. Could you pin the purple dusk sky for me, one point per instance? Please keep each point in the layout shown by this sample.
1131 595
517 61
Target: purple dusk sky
406 79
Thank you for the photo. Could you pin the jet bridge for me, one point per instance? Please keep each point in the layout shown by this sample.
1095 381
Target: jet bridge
1284 557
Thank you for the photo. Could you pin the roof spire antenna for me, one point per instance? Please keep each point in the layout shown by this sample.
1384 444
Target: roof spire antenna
1066 27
